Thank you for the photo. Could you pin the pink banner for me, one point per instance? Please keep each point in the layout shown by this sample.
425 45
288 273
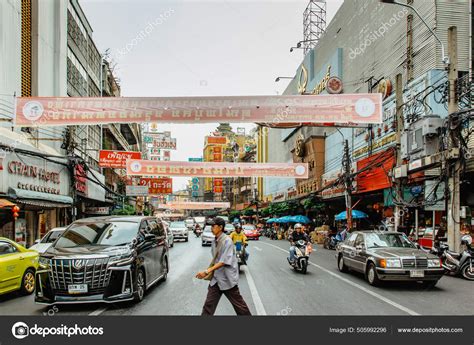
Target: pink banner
137 167
342 109
194 205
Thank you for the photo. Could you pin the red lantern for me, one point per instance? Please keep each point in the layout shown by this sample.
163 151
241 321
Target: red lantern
15 210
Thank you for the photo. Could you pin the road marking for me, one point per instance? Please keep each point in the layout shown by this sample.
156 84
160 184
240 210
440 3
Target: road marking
360 287
257 248
98 311
257 301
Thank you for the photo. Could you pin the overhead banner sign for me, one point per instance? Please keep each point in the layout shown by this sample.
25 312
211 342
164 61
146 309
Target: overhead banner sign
216 169
343 109
116 159
194 205
157 185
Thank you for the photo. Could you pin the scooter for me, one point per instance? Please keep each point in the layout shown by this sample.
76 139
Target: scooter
456 263
198 232
302 251
240 252
330 242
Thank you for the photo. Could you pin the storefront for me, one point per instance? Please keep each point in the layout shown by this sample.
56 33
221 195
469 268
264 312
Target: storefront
40 188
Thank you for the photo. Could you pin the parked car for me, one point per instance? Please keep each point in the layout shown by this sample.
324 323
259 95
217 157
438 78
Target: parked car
52 235
103 259
169 234
229 228
17 267
207 236
251 232
387 256
179 230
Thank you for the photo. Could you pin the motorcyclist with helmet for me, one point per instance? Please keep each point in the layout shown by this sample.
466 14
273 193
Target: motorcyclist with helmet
238 236
296 235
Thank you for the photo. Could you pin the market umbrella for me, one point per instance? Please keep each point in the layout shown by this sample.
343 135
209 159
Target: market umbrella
300 219
285 219
355 215
271 220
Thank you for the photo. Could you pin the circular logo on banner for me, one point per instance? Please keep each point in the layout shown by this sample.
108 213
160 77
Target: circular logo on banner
365 107
136 167
33 110
300 170
195 180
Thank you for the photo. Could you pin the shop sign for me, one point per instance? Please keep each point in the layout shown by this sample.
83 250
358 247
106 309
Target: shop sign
98 210
216 140
331 177
279 196
376 176
309 186
160 140
346 109
216 169
157 185
116 159
379 144
136 190
22 169
80 177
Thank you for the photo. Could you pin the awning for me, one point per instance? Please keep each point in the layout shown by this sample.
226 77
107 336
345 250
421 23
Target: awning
6 203
39 199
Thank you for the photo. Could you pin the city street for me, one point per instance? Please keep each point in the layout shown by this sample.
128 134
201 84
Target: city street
270 287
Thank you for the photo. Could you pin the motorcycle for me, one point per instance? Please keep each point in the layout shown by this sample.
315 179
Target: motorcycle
274 234
456 263
302 251
330 242
197 232
240 252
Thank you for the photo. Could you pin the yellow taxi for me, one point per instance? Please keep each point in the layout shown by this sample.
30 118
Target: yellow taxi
17 267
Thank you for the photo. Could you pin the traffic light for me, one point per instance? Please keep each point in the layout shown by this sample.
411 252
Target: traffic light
15 211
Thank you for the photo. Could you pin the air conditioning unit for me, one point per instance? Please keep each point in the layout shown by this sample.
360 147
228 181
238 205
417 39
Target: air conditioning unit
421 139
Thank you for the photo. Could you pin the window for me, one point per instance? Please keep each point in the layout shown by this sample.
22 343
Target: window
156 228
350 240
359 241
6 248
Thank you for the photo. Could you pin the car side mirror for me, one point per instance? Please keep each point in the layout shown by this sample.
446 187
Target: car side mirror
150 237
37 241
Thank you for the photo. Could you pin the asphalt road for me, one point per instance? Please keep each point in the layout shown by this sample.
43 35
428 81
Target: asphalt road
271 287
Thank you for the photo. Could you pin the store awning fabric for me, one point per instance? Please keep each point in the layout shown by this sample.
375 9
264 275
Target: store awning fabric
6 203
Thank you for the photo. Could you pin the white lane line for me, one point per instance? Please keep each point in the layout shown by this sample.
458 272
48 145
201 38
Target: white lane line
257 301
98 311
360 287
257 248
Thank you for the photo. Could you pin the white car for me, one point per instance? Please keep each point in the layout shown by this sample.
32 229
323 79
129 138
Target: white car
52 235
207 236
179 230
190 223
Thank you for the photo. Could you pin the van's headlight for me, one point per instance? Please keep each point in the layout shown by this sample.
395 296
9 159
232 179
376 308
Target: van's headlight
44 262
434 263
121 260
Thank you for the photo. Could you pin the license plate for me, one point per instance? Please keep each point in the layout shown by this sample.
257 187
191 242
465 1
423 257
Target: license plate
417 273
77 288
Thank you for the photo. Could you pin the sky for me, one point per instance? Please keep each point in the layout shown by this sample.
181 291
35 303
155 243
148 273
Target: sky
199 48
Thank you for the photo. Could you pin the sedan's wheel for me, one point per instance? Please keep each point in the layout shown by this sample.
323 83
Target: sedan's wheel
140 293
186 239
468 271
165 270
28 282
341 265
372 276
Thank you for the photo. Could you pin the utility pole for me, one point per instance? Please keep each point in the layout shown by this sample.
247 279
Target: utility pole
346 164
400 125
453 209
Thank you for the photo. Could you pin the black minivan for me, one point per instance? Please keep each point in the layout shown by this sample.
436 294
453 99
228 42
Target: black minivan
103 259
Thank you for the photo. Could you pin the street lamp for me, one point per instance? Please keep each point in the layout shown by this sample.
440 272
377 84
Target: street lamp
298 45
445 58
278 78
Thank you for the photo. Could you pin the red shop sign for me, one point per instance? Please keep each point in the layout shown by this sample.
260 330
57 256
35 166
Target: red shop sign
116 159
376 176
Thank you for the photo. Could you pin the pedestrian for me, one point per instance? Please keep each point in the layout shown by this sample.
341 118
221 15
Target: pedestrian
223 273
